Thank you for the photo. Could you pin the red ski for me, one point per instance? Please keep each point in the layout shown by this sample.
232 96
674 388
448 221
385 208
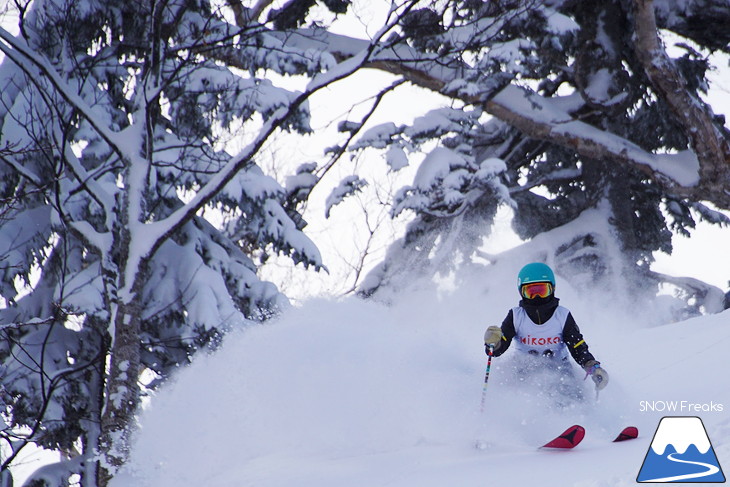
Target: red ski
571 437
628 433
568 438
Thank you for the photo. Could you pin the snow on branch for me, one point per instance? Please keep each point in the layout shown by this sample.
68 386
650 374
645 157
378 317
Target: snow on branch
710 297
153 234
239 162
36 66
347 187
702 174
544 119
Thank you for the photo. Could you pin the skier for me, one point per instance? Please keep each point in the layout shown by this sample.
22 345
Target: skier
545 333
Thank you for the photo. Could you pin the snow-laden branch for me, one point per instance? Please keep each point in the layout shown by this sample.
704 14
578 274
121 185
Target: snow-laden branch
712 298
12 82
35 66
703 174
428 70
25 173
545 119
102 197
157 232
148 237
559 175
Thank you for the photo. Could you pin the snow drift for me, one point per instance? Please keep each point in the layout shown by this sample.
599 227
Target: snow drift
355 393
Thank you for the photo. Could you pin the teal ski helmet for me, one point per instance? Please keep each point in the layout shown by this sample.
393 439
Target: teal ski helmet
535 272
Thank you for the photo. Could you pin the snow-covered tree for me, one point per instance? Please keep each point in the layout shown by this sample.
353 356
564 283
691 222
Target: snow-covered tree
114 123
588 108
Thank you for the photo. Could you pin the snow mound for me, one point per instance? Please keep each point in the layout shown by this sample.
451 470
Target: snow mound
349 377
354 393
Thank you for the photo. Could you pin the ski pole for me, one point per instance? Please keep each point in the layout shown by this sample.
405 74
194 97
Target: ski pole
598 383
490 353
598 388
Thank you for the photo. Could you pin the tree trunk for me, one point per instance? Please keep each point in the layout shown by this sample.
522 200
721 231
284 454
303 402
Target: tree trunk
122 393
712 149
92 428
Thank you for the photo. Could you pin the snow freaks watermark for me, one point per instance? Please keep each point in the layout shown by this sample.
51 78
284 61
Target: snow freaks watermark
680 407
681 451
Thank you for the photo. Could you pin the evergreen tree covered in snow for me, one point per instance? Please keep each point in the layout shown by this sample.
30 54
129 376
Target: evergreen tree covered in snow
114 118
580 122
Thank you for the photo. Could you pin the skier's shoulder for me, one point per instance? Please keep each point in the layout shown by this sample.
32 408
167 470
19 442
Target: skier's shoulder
562 309
563 315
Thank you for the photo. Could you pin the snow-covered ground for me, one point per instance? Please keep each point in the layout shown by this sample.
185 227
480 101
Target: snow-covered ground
352 393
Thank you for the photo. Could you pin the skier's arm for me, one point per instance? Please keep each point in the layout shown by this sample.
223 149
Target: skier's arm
508 333
575 342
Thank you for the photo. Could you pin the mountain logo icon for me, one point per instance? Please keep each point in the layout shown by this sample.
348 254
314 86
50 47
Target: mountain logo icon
681 452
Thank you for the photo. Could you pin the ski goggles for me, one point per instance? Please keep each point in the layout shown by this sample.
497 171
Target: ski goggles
537 290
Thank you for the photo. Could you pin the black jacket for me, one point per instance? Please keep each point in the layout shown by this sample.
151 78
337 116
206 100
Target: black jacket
540 310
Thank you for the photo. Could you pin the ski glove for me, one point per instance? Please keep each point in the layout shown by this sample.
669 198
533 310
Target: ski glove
598 374
492 338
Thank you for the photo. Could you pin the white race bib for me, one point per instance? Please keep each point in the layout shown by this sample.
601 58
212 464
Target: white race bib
545 339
